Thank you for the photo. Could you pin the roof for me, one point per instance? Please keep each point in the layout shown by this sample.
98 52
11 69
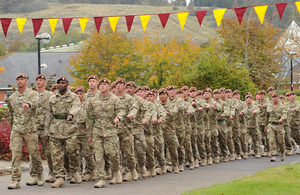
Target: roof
28 63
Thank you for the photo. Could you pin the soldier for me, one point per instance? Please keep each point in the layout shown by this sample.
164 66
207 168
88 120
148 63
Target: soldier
22 106
54 88
236 129
125 130
104 112
262 121
276 114
271 91
113 88
62 129
169 131
250 113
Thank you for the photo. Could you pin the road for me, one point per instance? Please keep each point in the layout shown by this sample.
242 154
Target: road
172 184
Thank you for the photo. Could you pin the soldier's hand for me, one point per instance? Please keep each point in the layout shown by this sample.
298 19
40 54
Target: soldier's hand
90 140
241 113
117 121
194 104
266 130
280 121
261 106
231 117
188 112
168 113
26 106
130 117
254 112
207 107
200 109
154 120
70 117
293 110
222 115
213 107
144 122
160 121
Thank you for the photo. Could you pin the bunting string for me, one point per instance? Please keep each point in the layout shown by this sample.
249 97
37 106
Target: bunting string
163 17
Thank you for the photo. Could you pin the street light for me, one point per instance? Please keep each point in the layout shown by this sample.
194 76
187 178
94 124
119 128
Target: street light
45 37
292 79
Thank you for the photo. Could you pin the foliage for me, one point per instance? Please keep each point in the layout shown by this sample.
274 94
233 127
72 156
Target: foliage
2 49
15 45
22 6
285 91
137 2
3 113
1 70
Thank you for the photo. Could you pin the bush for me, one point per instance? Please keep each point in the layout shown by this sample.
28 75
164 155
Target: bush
285 91
15 45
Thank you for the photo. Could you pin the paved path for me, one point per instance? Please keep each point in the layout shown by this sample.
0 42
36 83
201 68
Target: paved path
166 184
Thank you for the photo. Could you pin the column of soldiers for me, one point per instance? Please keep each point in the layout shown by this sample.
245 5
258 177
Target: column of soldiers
122 132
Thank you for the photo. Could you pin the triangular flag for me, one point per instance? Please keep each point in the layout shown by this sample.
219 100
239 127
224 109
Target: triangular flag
219 13
298 6
113 22
98 21
37 23
240 13
129 21
261 12
5 22
163 19
66 24
200 16
280 8
21 23
145 20
83 22
52 22
182 18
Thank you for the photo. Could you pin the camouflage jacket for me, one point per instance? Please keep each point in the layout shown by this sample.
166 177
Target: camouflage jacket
179 117
192 116
41 110
210 120
295 116
161 115
251 120
200 114
262 118
148 128
60 106
142 114
82 121
169 125
188 118
274 114
225 109
22 120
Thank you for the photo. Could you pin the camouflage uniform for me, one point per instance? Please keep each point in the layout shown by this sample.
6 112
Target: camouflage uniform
262 123
236 127
295 122
63 133
243 130
201 130
287 128
229 122
23 128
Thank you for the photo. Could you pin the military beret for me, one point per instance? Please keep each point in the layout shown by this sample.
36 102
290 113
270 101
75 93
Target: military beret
248 93
216 91
258 93
22 75
193 89
170 87
105 80
162 90
281 96
40 76
62 78
54 87
248 96
228 91
154 90
185 88
149 93
179 91
93 77
79 88
120 80
113 84
288 94
131 84
236 92
199 92
271 88
262 92
292 93
207 90
223 90
139 88
275 95
146 88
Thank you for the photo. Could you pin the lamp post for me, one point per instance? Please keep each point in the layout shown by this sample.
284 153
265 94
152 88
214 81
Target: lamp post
45 37
292 79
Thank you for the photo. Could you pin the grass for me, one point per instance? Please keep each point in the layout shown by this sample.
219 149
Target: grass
278 180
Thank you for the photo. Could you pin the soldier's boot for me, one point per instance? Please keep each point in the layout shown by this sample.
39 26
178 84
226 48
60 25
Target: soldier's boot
225 159
209 161
265 154
273 159
94 176
192 165
251 153
294 145
87 177
196 163
134 175
245 155
100 184
238 157
14 185
51 179
158 171
41 180
181 168
217 160
152 172
32 182
144 172
169 168
59 183
77 178
289 152
68 176
118 176
187 164
282 156
298 152
113 181
176 170
108 174
203 162
163 169
127 177
257 155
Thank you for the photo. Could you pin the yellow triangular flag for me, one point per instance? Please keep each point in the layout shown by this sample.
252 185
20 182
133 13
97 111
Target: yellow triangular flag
145 20
21 23
83 22
182 18
298 6
219 13
261 12
52 22
113 22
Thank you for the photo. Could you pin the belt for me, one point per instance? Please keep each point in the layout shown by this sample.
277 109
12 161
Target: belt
275 123
220 120
61 117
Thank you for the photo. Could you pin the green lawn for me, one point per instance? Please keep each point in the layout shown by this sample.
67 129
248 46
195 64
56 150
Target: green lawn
278 180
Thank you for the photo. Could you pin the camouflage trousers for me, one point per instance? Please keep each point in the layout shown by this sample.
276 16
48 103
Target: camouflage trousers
181 141
188 147
86 152
172 145
201 143
140 148
222 129
236 138
295 132
106 146
276 135
16 145
207 141
127 150
288 138
244 138
264 137
230 143
253 133
215 141
59 149
150 150
194 142
159 149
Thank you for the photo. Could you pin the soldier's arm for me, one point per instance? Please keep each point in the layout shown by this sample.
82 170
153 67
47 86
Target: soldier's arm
90 117
75 107
190 108
33 100
11 113
120 109
284 114
173 110
226 109
162 114
134 107
49 116
154 113
147 113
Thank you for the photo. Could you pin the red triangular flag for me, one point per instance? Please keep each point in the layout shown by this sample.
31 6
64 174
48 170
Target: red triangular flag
37 23
98 21
280 8
129 21
66 24
240 13
163 19
200 16
5 22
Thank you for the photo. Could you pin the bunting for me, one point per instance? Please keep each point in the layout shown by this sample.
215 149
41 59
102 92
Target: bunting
5 22
240 13
98 22
219 13
83 22
129 21
280 8
298 6
37 23
113 22
20 23
182 18
200 16
261 12
163 19
66 24
144 21
52 23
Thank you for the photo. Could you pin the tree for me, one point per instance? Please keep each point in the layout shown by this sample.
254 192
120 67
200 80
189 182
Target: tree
15 45
1 70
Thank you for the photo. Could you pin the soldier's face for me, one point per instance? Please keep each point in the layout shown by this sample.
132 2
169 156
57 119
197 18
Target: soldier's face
275 99
216 95
120 87
63 85
207 95
257 97
180 95
150 98
140 93
114 90
229 95
163 96
193 94
249 100
21 82
262 96
129 90
93 83
292 97
40 82
80 95
172 92
104 87
223 95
